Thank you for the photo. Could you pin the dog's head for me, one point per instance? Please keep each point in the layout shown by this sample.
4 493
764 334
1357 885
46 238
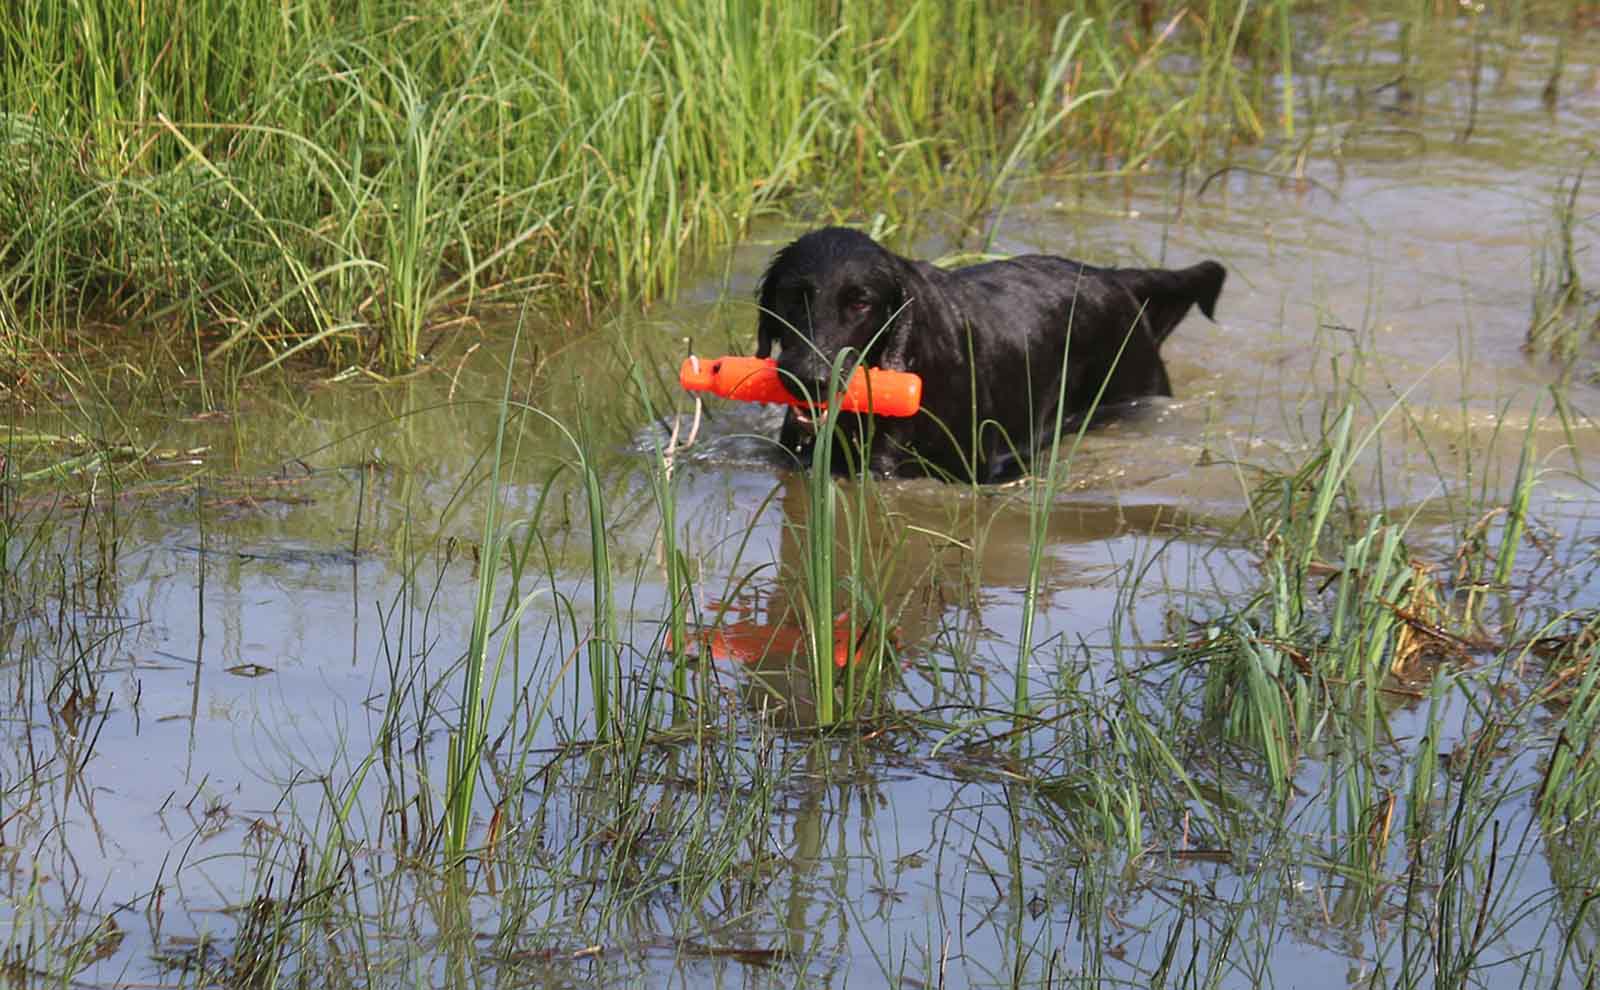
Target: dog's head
831 290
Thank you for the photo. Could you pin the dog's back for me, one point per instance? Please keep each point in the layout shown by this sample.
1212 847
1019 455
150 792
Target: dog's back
1044 315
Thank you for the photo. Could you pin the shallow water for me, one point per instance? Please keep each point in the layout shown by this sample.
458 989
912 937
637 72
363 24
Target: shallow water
243 635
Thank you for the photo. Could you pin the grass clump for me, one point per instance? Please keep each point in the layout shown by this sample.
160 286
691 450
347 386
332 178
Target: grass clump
1347 615
1566 311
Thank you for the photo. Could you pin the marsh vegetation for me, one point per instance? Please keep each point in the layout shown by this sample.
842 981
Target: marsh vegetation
483 675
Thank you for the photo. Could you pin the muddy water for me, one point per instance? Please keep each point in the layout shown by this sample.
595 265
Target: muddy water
244 637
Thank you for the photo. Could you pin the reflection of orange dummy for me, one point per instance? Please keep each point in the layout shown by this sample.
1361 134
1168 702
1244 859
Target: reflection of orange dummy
748 379
749 641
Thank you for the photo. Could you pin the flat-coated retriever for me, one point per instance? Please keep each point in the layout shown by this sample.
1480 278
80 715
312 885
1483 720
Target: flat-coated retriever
991 343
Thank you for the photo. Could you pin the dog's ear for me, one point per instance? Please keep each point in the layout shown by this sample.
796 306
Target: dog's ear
915 312
768 333
900 308
769 329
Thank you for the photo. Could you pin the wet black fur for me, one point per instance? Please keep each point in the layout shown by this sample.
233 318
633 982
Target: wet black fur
989 341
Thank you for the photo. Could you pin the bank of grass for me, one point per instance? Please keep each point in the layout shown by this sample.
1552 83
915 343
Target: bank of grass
331 175
255 180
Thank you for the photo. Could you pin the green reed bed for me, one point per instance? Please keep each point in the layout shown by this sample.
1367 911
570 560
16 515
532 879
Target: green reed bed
255 181
240 174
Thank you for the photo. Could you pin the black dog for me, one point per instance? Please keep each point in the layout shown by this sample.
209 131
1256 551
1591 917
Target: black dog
991 343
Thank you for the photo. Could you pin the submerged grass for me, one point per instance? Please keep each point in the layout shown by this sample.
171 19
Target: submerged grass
1346 613
1337 748
1566 310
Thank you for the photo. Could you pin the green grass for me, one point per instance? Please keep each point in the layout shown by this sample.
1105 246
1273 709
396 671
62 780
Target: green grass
338 180
1566 311
334 178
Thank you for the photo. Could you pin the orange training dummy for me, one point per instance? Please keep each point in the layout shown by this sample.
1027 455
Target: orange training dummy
748 379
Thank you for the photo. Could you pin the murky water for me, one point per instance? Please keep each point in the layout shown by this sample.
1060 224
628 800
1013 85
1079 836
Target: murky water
245 634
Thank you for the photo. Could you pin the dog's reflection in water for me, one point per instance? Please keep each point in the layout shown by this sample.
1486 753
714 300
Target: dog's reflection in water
936 584
763 626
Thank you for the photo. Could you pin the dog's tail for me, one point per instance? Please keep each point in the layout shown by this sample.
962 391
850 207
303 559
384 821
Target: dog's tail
1166 294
